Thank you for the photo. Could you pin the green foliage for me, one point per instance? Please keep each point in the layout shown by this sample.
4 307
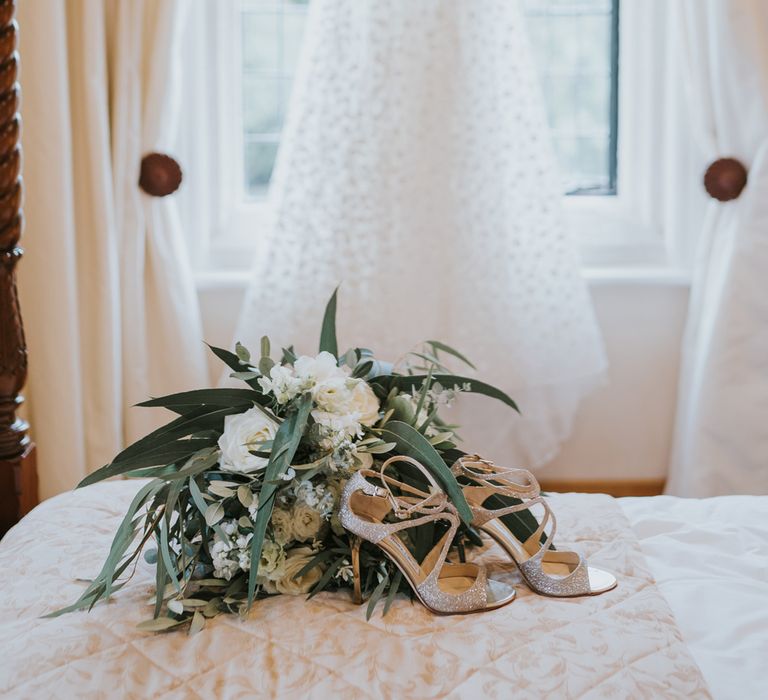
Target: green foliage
193 502
437 346
190 401
283 449
328 341
232 361
406 383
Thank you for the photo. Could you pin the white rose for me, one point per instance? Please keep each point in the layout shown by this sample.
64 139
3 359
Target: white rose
352 398
364 402
296 560
242 433
333 395
306 523
282 526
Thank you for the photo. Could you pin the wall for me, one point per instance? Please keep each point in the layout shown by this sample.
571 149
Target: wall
623 431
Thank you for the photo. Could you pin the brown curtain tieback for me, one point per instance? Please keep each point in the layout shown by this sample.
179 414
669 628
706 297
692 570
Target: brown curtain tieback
160 175
725 179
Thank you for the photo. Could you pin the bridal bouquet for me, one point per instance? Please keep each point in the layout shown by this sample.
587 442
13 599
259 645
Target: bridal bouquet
245 483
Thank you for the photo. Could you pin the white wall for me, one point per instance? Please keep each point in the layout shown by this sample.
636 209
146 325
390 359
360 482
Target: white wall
623 431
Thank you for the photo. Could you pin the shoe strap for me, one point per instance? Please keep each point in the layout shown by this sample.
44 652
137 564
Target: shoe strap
509 481
549 537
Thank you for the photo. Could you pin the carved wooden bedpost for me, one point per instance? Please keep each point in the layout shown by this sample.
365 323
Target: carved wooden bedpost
18 475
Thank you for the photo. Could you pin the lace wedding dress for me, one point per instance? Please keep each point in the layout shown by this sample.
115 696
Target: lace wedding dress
415 171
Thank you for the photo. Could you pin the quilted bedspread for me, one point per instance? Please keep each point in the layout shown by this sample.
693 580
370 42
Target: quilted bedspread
623 644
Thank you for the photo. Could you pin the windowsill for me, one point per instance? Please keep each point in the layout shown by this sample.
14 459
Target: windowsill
637 256
655 275
661 275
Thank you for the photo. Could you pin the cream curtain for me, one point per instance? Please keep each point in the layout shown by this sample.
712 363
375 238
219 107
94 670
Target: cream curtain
721 438
106 289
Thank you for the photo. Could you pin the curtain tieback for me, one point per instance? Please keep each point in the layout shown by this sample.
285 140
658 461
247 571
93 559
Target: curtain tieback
725 178
160 174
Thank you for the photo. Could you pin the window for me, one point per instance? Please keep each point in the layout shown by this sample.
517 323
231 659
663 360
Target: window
271 37
602 65
575 44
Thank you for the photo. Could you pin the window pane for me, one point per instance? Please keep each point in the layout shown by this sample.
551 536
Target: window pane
575 45
271 39
259 162
261 105
261 45
293 33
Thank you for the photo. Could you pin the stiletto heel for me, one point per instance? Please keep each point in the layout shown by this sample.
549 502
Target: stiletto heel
547 571
442 587
357 596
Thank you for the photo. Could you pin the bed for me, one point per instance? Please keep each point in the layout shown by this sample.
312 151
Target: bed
709 558
689 618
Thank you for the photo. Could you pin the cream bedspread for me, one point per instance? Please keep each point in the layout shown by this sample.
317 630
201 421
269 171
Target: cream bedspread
624 644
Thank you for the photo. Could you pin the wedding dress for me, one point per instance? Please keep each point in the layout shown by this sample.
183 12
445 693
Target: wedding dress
415 172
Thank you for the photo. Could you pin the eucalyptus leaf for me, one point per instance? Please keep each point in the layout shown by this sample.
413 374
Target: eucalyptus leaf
431 360
437 345
202 506
328 342
234 363
198 623
214 513
265 365
245 495
187 400
247 375
204 418
242 352
165 554
266 347
176 606
164 456
363 369
376 596
289 356
216 488
408 382
440 437
194 603
381 448
393 588
160 624
328 574
212 609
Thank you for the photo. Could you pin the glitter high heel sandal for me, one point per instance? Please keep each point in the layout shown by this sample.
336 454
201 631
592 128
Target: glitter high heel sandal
550 572
443 588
